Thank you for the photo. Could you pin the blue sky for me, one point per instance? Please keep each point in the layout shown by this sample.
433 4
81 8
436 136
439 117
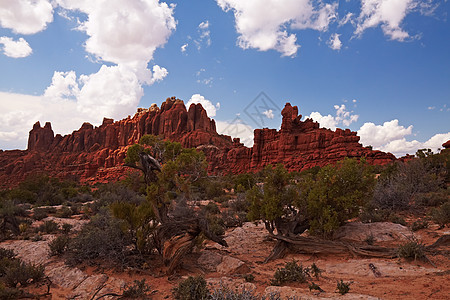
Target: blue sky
379 67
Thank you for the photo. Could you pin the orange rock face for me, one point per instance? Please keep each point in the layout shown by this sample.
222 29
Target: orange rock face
96 154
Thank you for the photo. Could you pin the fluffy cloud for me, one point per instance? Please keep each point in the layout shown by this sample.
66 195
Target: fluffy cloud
15 49
268 113
20 112
265 31
391 137
379 135
184 47
236 129
25 16
122 31
204 35
343 117
207 105
334 42
387 13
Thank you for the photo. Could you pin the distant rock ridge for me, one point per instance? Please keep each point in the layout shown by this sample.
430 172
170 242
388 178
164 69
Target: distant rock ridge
96 154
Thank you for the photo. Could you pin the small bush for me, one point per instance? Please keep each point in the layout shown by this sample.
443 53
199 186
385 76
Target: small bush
419 224
211 208
343 287
313 286
23 273
6 253
315 271
40 213
64 212
59 245
397 219
431 199
441 215
225 293
291 272
137 290
66 228
9 293
249 277
412 249
192 288
48 227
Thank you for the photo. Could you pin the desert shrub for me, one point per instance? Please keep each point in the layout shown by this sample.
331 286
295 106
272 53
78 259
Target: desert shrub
66 228
337 194
9 293
6 253
419 224
441 215
10 218
432 198
400 183
249 277
59 245
192 288
315 271
48 227
225 293
211 208
412 249
23 273
64 212
240 204
234 219
216 225
291 272
343 287
314 286
40 213
244 182
112 192
394 218
102 238
370 214
138 222
138 290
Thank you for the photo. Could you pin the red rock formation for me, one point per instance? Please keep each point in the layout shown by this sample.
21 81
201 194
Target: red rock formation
97 153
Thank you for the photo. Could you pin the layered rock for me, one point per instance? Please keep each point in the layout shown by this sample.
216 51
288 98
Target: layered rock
97 153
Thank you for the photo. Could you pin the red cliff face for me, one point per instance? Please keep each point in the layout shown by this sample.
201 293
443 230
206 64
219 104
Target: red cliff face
97 153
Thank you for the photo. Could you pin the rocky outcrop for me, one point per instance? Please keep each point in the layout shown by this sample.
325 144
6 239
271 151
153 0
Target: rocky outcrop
97 153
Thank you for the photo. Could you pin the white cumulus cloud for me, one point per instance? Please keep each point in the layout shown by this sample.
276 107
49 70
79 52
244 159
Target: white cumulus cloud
387 13
236 129
207 104
391 137
268 113
342 116
263 24
25 16
334 42
15 49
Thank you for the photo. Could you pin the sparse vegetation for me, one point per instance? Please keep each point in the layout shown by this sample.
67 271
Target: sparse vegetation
291 272
138 290
192 288
413 249
343 287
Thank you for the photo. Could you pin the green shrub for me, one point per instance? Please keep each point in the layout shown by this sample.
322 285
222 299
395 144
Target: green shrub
225 293
441 215
59 245
48 227
192 288
23 273
343 287
40 213
419 224
138 290
413 249
7 293
66 228
211 208
64 212
291 272
432 198
397 219
102 238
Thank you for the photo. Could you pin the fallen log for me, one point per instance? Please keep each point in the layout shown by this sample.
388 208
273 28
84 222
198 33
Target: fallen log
315 245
